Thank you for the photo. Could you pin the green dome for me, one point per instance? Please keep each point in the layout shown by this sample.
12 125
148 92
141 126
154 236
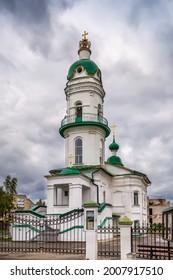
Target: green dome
88 65
69 171
114 146
115 160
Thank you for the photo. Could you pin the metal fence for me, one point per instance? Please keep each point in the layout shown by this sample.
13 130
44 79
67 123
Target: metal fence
147 243
65 234
109 242
53 234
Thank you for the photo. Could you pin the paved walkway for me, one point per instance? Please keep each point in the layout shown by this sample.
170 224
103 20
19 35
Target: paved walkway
36 256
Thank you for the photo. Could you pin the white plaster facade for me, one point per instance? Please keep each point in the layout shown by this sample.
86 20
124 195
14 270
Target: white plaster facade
126 193
87 175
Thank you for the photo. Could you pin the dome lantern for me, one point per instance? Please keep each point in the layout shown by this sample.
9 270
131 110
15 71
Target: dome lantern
84 47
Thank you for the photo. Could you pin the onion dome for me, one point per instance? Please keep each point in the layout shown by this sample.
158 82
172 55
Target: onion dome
113 146
84 64
88 65
114 159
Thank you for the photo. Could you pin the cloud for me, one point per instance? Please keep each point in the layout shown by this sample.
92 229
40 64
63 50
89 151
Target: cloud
131 43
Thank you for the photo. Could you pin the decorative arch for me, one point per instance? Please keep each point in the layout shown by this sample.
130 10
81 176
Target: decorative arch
78 150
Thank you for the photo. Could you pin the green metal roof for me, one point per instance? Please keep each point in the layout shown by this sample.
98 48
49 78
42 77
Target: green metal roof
68 171
91 203
81 169
115 160
87 64
102 125
125 221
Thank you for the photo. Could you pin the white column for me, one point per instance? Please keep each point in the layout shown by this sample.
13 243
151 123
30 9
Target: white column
59 196
75 196
91 245
125 237
50 199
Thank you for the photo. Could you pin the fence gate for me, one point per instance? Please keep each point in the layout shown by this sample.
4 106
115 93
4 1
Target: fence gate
147 243
54 234
109 242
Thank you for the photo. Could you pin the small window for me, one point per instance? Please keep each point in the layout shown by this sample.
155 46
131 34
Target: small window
136 198
79 69
66 193
150 211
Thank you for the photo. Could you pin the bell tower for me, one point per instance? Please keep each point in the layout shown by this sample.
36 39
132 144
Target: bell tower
84 127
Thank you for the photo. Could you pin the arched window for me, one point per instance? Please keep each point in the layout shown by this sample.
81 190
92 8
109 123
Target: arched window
79 109
78 151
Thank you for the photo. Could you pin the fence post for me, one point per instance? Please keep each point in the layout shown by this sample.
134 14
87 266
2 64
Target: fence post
125 237
90 226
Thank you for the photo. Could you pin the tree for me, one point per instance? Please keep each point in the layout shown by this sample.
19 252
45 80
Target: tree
7 192
10 185
6 202
40 202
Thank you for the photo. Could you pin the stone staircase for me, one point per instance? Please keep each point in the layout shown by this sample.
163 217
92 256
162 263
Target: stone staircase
47 235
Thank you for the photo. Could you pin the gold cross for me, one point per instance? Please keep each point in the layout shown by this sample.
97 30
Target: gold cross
113 129
84 35
70 160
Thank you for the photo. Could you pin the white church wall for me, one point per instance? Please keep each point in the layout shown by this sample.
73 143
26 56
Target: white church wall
91 137
58 209
123 201
75 196
117 170
84 94
86 196
105 217
71 183
102 180
50 199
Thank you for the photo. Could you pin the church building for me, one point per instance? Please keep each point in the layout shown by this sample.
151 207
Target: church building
88 175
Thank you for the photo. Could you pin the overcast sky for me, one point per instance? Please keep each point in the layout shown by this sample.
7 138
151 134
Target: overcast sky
132 43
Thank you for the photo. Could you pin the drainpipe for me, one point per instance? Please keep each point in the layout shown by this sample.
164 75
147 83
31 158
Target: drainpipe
96 184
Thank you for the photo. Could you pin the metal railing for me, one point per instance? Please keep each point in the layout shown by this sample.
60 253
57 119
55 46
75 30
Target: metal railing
86 117
109 242
147 243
